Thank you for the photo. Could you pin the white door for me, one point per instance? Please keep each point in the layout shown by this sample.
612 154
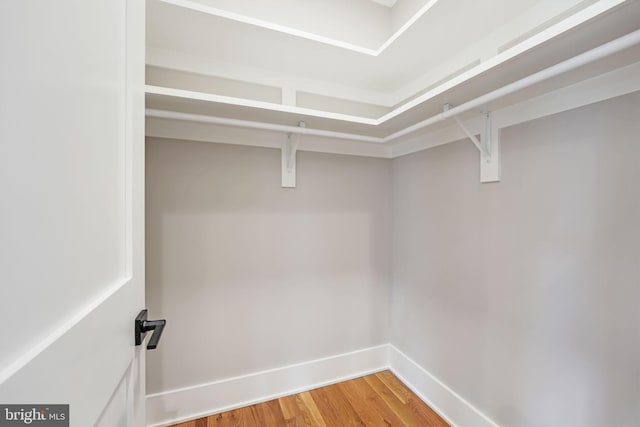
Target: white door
71 207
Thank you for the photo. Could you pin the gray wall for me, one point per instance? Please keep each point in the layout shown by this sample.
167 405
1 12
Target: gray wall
251 276
524 296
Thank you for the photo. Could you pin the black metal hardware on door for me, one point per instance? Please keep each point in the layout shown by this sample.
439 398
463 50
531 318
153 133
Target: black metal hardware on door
142 326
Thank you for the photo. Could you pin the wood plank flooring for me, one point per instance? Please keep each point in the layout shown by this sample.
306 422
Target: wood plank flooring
375 400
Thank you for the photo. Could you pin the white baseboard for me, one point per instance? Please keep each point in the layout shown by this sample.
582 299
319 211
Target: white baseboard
188 403
175 406
452 407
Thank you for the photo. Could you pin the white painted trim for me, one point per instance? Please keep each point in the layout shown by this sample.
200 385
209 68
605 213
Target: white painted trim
188 403
197 401
214 120
188 4
603 51
204 132
189 63
542 37
587 57
579 18
615 83
546 11
243 102
452 407
395 36
64 327
619 82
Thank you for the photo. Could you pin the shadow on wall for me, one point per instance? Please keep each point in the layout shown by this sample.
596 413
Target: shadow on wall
252 276
523 296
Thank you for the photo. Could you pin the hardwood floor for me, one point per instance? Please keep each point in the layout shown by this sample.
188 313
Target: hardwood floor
375 400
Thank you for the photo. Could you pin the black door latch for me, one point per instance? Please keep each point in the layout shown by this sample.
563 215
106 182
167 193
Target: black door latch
142 326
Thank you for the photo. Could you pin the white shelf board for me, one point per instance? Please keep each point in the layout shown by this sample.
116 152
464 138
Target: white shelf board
587 30
430 42
173 100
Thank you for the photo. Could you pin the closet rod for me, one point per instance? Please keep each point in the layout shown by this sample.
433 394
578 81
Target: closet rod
188 117
585 58
577 61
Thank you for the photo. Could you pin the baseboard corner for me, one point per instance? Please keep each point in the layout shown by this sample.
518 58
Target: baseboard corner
188 403
452 407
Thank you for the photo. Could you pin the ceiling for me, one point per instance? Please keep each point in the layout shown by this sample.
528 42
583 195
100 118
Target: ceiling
367 67
388 3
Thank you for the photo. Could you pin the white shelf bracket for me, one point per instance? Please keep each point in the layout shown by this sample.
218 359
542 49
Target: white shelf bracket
490 155
288 158
488 146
